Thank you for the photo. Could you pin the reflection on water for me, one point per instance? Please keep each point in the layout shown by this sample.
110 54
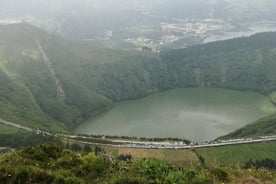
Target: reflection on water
196 114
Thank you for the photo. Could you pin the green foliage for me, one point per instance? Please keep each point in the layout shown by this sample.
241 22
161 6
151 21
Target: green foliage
265 163
129 180
44 152
67 180
63 166
93 166
21 139
76 147
87 148
5 174
32 175
68 160
124 157
220 174
153 169
156 171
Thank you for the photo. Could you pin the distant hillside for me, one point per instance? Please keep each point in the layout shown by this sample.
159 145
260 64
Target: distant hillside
49 82
83 19
261 127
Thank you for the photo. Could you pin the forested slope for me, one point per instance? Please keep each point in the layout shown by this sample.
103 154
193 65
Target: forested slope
49 82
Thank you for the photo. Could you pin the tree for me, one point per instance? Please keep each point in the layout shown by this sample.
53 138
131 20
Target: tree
67 146
98 150
87 148
76 147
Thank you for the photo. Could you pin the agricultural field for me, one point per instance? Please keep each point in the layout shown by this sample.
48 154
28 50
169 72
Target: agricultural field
4 129
177 157
237 154
226 155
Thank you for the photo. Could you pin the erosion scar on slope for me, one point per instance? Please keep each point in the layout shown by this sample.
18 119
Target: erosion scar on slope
60 92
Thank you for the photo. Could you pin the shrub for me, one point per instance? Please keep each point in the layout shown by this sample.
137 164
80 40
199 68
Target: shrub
76 147
220 174
125 157
67 180
68 160
43 153
153 169
32 175
129 180
5 175
189 174
92 166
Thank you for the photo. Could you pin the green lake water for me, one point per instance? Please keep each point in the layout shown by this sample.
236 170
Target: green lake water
196 114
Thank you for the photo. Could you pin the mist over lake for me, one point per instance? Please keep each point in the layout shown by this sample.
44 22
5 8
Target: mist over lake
197 114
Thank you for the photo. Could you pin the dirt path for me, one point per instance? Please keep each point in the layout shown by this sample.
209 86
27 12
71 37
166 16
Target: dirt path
60 92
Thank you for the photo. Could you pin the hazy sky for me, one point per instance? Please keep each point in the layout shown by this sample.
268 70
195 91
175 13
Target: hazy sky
174 8
52 6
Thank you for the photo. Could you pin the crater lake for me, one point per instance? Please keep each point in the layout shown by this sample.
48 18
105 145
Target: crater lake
197 114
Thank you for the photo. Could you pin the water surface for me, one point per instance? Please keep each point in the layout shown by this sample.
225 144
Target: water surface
197 114
237 34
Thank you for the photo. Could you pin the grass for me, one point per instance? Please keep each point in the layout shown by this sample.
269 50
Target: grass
5 129
273 96
225 155
185 158
237 154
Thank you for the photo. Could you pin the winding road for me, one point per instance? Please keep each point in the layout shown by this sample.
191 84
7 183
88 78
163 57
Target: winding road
9 123
60 92
143 144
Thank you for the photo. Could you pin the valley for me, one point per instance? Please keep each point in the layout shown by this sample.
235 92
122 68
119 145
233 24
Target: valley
138 92
95 80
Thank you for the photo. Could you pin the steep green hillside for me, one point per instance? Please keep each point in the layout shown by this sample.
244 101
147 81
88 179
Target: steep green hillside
243 63
264 126
49 82
31 90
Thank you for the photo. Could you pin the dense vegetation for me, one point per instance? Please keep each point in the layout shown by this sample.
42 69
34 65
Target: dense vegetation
49 163
21 139
265 163
92 79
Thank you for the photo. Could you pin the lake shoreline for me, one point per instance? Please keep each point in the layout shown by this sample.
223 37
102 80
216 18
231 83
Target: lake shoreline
202 109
